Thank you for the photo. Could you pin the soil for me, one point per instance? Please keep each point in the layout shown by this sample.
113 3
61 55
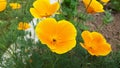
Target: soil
110 31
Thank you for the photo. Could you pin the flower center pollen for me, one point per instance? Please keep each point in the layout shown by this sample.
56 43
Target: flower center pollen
54 40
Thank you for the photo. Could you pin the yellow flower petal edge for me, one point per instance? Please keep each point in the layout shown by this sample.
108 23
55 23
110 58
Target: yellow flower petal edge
105 1
93 6
59 36
23 26
95 43
3 4
43 8
15 5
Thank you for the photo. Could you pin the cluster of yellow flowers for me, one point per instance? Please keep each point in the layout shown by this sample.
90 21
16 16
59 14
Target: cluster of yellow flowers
15 5
60 36
23 26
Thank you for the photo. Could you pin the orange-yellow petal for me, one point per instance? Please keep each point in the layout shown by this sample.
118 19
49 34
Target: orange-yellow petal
54 7
66 33
63 47
66 30
3 4
34 12
83 45
59 36
44 29
97 37
104 50
86 35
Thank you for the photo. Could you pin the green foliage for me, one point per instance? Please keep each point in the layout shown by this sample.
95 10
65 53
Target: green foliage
107 18
115 4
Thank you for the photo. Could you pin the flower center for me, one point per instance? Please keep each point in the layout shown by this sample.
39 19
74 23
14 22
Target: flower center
54 40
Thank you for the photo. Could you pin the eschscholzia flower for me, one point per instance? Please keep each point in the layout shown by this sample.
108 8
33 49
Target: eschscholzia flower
95 43
59 36
15 5
3 4
23 26
43 8
93 6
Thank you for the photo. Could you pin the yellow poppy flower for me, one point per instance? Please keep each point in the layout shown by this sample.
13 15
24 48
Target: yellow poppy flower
59 36
95 43
23 26
3 4
15 5
105 1
43 8
93 6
